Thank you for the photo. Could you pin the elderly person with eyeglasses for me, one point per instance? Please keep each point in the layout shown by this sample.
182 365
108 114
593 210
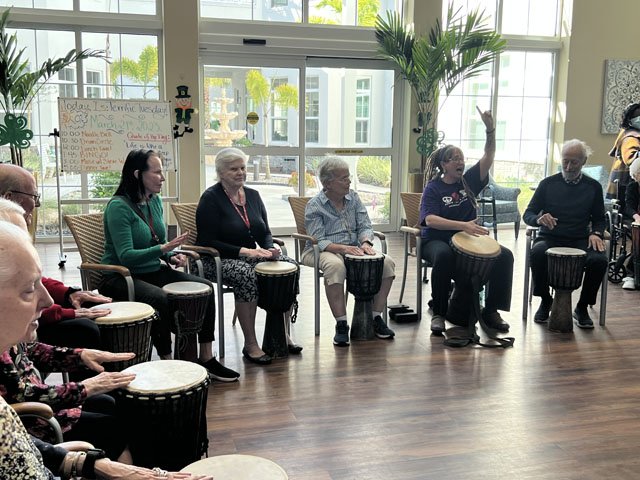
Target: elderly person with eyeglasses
339 220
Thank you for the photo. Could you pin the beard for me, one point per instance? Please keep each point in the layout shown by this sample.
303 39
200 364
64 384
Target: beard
570 176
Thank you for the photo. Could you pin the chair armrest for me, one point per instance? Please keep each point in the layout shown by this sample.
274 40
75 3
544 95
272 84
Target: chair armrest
277 241
99 267
210 251
380 235
75 446
411 231
33 408
308 238
531 230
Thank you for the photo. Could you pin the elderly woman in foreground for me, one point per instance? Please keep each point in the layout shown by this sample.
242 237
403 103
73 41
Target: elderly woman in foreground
23 297
339 220
232 219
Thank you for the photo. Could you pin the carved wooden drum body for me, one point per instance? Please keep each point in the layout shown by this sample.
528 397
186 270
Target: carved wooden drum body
565 267
364 279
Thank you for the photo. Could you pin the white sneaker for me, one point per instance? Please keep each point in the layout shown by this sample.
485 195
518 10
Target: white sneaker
628 283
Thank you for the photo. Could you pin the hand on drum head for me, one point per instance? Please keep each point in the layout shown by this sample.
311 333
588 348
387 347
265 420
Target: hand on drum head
78 298
178 260
275 253
92 312
547 220
368 249
596 243
472 228
94 358
108 469
256 252
351 250
106 382
175 243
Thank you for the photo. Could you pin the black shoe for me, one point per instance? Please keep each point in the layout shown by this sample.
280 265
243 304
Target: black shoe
381 329
581 315
219 372
542 315
495 321
263 359
294 348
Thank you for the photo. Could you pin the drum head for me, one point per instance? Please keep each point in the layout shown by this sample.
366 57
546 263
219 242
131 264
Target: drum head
565 252
165 376
365 257
275 268
237 467
186 288
635 224
481 246
124 312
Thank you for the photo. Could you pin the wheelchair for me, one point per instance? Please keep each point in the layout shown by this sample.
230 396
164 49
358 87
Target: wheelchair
620 231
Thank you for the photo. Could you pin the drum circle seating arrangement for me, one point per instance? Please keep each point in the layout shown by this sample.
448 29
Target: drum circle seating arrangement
277 290
364 279
237 467
189 302
165 407
127 329
565 268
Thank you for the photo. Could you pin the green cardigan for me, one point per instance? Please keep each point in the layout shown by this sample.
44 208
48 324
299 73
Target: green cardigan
127 238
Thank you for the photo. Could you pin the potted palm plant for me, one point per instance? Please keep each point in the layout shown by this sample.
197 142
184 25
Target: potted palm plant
19 86
437 62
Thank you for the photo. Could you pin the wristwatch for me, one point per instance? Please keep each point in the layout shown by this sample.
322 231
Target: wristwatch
598 234
88 469
367 241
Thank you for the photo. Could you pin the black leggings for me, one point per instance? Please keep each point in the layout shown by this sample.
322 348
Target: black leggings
100 425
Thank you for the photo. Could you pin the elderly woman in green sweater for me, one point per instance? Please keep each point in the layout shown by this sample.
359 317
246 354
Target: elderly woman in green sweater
135 237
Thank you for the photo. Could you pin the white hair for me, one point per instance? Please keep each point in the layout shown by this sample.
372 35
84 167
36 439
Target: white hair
328 166
11 237
574 142
634 169
7 207
226 156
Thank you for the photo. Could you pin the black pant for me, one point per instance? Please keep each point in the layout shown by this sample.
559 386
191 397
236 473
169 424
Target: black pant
148 288
595 267
100 425
443 260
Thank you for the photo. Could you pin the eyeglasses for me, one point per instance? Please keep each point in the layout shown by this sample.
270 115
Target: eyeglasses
35 196
344 179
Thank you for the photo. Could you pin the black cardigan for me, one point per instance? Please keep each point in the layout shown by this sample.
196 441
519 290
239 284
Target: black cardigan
221 227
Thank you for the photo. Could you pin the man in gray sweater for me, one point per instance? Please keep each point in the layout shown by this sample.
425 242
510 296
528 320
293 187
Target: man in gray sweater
569 210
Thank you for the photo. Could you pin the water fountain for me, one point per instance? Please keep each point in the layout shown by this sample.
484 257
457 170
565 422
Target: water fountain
224 136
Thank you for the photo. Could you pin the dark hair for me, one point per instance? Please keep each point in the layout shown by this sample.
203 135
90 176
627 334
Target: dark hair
626 115
434 170
130 186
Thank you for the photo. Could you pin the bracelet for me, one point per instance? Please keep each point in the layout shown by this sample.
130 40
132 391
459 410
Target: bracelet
67 465
490 131
74 466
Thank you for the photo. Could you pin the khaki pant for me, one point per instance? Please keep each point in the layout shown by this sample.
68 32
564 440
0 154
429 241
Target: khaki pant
333 269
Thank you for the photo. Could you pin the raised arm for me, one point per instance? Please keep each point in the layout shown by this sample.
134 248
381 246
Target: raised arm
490 143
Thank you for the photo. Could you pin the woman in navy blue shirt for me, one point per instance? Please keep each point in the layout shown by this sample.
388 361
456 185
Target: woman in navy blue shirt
448 206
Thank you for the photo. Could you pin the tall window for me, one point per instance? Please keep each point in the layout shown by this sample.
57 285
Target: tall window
363 97
312 113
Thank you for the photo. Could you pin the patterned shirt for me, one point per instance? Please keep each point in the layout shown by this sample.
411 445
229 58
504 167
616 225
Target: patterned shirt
350 226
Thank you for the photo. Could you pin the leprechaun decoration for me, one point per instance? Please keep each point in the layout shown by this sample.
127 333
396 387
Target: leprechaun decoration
183 111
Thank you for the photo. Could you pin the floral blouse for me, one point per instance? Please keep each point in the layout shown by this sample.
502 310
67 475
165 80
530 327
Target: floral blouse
19 457
20 381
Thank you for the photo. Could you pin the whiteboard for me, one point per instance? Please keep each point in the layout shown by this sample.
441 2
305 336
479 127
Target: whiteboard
97 134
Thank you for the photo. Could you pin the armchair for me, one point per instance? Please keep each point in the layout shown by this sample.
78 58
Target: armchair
506 205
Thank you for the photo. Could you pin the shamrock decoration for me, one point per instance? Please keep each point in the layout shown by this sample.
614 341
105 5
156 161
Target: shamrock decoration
14 131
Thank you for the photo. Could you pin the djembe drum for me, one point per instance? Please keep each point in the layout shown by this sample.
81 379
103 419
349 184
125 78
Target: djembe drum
364 278
277 287
127 329
188 300
237 467
475 257
165 406
635 250
565 268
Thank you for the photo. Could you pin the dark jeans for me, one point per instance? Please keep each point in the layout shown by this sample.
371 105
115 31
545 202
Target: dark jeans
100 425
148 287
594 269
443 259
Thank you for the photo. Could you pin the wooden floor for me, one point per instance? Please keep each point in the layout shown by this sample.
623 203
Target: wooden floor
555 406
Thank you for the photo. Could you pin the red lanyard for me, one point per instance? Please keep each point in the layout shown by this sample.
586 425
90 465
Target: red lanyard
149 224
245 217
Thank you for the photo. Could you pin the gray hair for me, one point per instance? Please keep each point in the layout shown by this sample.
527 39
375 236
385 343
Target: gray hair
328 166
634 169
7 207
227 156
574 142
11 236
12 177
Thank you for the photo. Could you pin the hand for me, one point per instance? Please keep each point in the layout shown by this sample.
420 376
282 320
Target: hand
256 253
175 243
275 253
106 382
367 249
636 217
547 220
351 250
94 358
78 298
178 260
472 228
92 312
596 243
106 469
487 118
